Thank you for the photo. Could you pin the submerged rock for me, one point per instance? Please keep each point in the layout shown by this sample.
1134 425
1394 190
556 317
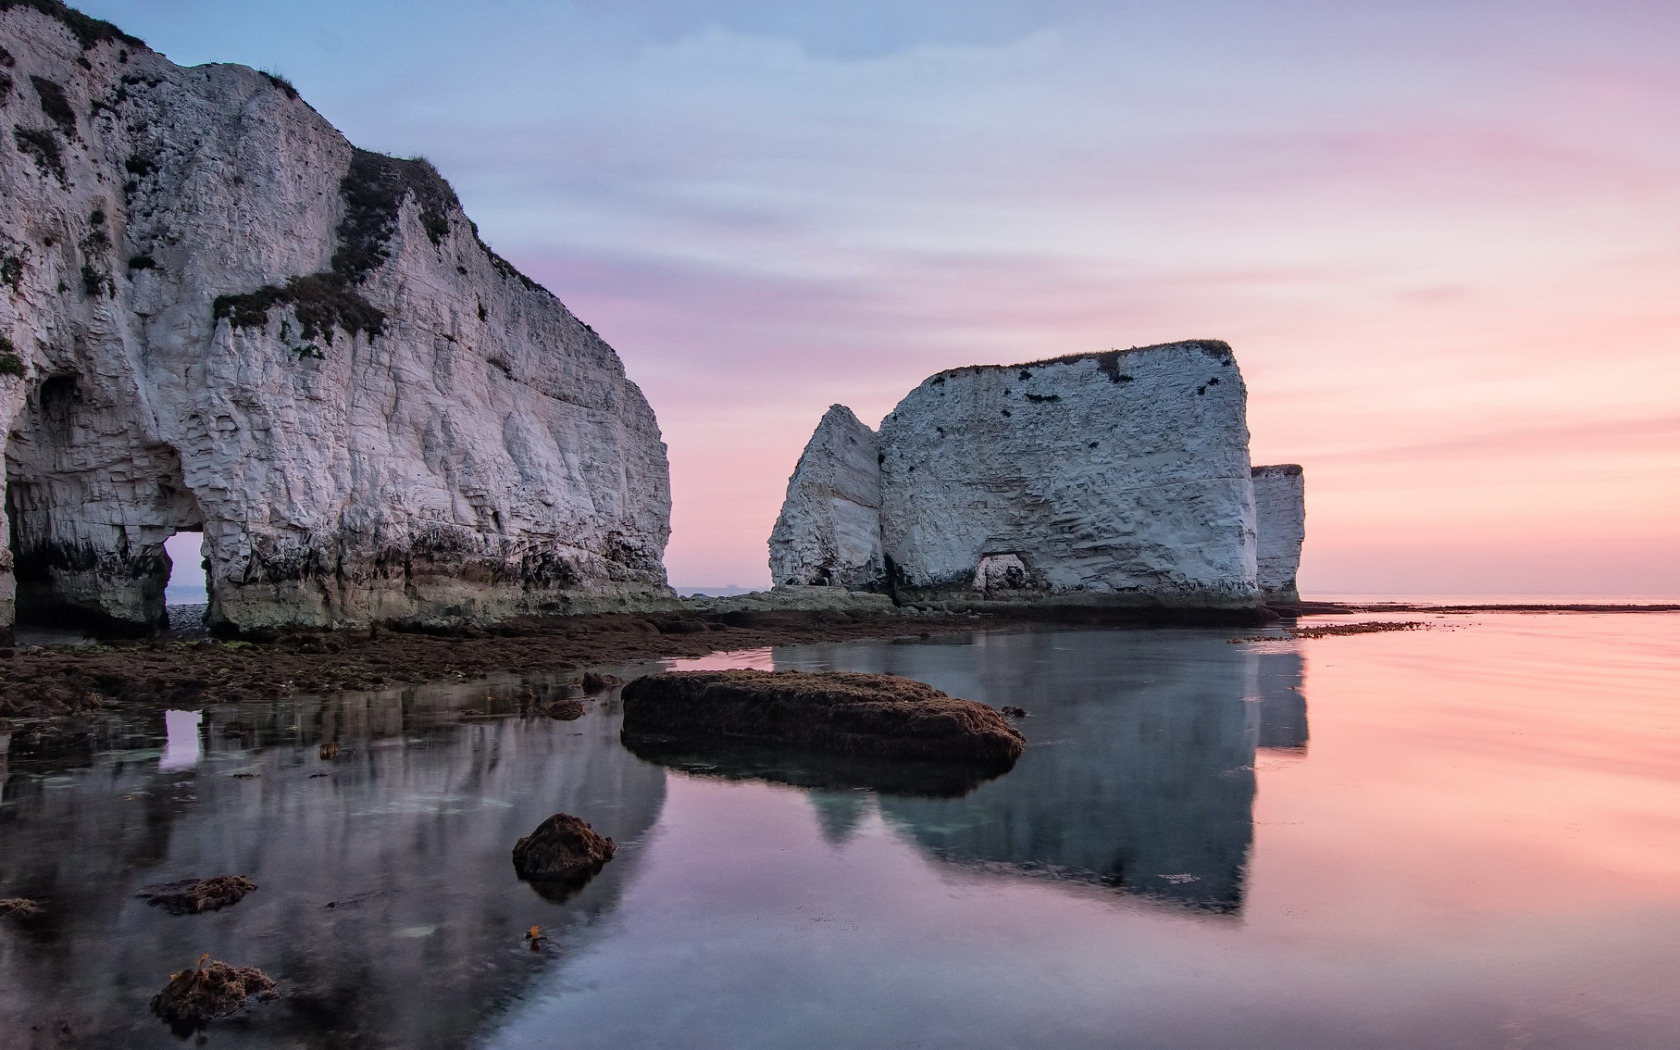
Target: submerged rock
194 998
561 855
594 682
871 715
566 710
191 897
219 315
813 770
22 909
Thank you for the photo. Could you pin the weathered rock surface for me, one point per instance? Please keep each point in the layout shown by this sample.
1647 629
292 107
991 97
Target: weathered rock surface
563 849
195 997
878 716
1120 477
829 531
218 314
195 896
1117 480
1280 515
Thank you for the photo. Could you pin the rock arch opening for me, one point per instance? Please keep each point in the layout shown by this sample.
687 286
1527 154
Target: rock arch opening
89 508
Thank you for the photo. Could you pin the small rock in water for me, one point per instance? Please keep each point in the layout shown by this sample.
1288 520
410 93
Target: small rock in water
596 683
561 855
193 998
22 909
1011 711
566 710
329 751
190 897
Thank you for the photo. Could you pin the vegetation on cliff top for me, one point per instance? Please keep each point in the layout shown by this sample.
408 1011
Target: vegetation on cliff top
88 31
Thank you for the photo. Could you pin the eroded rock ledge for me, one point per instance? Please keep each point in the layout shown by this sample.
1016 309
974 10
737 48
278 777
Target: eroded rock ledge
876 716
216 314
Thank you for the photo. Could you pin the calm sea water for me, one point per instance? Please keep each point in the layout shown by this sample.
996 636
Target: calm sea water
1460 837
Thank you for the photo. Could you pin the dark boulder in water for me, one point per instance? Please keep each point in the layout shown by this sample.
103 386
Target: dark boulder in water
190 897
594 682
813 770
566 710
876 716
193 998
561 855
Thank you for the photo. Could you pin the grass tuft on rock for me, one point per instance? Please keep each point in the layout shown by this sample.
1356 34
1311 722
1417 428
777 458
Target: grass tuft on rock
88 31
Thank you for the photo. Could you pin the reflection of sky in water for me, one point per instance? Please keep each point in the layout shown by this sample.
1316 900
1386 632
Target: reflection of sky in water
181 743
1480 846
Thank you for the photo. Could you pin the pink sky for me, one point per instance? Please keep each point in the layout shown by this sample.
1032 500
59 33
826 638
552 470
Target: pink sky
1444 239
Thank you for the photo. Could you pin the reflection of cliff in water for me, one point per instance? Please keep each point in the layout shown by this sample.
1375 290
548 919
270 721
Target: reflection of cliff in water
1139 769
1279 677
388 910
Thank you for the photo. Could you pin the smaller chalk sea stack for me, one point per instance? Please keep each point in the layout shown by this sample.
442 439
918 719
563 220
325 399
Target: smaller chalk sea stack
1118 480
838 712
563 850
1280 517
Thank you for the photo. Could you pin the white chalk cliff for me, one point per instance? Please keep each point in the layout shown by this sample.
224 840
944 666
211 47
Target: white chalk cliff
220 315
1118 479
1280 514
829 531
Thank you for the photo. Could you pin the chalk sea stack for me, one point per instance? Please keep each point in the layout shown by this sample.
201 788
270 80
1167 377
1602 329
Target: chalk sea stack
1280 516
1118 480
837 712
217 314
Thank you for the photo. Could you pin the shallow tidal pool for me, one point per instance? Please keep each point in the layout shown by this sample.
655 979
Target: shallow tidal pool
1462 836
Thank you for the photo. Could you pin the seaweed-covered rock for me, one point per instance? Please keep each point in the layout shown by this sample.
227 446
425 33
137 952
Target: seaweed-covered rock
839 712
193 896
565 710
193 998
22 909
563 850
595 682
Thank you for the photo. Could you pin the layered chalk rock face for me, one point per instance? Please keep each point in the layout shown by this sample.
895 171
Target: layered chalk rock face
1119 478
219 314
1280 510
829 531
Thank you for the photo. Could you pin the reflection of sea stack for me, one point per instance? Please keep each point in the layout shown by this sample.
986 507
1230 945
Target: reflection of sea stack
1119 479
1283 703
1144 777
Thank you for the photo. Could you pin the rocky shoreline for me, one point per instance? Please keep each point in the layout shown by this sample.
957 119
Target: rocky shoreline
53 692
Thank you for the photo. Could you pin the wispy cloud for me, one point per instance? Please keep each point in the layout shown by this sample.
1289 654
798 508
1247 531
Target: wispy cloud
1441 235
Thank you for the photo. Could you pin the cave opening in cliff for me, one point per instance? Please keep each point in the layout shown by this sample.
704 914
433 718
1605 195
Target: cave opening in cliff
90 505
187 585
